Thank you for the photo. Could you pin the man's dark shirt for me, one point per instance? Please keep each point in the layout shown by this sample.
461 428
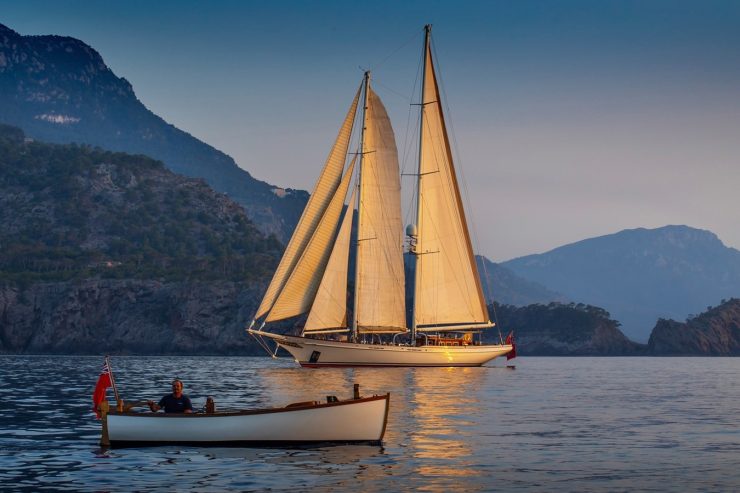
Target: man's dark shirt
172 404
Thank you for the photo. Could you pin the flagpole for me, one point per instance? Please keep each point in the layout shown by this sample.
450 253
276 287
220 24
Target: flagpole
112 380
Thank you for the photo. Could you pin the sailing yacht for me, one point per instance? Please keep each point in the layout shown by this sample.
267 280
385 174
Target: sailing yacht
370 325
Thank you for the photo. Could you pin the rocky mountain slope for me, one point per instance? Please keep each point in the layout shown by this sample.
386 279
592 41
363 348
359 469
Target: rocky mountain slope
640 275
558 329
108 252
716 332
58 89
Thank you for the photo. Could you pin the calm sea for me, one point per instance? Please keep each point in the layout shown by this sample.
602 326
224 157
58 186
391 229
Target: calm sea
566 424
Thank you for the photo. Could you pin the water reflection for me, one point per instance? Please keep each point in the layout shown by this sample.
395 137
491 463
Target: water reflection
593 424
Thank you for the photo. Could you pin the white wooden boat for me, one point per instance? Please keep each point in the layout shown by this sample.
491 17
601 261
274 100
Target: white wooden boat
360 420
447 307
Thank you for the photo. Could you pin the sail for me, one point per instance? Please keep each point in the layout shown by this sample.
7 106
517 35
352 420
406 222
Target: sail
300 288
323 192
448 290
380 304
329 309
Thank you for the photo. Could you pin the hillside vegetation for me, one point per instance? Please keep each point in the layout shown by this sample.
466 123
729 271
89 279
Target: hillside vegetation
72 212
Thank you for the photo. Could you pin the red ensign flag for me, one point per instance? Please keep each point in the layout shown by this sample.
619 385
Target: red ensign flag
510 340
101 387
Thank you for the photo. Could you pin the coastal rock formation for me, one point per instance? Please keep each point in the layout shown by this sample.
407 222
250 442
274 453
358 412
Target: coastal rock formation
127 317
715 332
558 329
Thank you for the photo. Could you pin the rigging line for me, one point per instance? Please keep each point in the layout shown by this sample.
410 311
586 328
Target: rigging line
410 139
376 83
412 38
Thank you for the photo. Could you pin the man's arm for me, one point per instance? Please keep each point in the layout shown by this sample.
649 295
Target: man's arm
153 406
188 405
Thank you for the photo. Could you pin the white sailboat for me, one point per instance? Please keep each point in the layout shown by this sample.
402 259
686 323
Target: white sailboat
448 308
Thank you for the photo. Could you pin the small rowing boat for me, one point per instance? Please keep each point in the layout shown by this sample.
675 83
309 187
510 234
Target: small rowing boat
360 420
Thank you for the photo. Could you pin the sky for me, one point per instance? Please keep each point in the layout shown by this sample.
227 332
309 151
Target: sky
570 119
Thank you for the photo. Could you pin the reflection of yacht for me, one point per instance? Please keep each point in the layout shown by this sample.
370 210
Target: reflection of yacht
447 304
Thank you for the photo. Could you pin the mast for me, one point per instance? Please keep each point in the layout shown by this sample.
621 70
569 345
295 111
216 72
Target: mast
414 252
355 330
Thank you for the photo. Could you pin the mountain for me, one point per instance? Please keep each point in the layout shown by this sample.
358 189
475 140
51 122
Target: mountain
109 252
640 275
71 212
58 89
716 332
558 329
503 286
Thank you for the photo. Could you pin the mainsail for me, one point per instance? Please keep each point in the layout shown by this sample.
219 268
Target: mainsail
324 190
380 304
447 286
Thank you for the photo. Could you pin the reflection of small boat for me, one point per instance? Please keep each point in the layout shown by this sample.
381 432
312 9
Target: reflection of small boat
357 420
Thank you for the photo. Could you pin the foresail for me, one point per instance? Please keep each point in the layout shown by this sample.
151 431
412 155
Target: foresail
329 309
380 277
300 289
448 288
323 192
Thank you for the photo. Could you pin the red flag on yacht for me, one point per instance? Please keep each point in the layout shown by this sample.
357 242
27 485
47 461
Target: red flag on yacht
510 340
104 382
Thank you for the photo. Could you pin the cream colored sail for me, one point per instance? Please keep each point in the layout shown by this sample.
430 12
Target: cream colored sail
448 290
329 309
323 192
300 289
380 277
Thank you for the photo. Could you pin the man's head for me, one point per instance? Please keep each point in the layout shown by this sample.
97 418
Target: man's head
177 387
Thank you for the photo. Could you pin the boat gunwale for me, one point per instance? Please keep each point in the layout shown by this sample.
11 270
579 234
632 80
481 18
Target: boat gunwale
251 412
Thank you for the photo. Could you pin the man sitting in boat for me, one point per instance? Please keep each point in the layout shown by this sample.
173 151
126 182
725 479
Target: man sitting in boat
176 402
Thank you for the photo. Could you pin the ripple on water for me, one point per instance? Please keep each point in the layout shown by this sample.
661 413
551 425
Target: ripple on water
580 424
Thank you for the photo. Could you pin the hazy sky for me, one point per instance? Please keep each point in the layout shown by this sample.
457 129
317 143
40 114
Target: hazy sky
571 119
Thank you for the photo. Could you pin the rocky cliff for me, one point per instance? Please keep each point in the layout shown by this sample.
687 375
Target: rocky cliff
715 332
108 252
98 316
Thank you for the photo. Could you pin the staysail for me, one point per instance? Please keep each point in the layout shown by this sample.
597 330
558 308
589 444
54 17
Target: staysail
323 192
448 291
300 289
380 304
329 309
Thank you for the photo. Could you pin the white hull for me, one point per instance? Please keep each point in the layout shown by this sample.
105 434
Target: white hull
352 421
333 353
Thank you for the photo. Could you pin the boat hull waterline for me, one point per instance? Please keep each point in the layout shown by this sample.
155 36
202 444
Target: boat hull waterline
341 354
352 421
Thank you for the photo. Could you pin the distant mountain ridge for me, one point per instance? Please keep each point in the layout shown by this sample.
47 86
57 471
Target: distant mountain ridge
59 89
640 275
501 285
